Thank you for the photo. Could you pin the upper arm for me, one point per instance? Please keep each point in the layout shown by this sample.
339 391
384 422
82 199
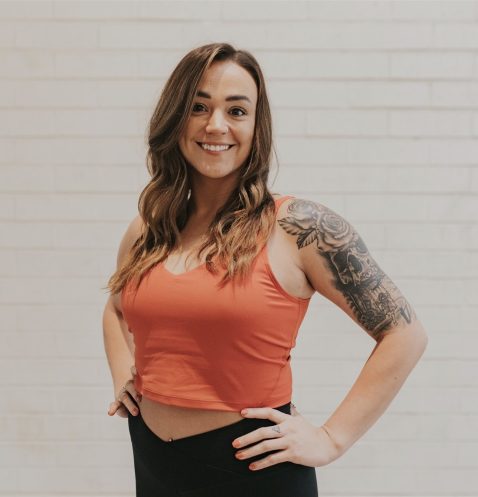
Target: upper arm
132 233
339 266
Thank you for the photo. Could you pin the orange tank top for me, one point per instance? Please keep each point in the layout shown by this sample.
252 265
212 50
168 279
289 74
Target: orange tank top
199 345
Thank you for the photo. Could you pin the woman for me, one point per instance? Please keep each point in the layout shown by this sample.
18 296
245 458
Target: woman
214 278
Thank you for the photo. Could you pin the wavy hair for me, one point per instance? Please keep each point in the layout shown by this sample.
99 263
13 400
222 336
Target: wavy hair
243 224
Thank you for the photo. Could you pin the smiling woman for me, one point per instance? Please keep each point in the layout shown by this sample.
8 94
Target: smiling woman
214 337
205 348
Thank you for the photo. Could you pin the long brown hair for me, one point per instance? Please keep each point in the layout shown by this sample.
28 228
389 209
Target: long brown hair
243 224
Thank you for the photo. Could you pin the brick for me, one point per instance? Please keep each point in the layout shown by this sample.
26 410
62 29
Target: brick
443 11
14 10
50 35
105 10
455 35
431 123
426 65
338 122
349 10
259 11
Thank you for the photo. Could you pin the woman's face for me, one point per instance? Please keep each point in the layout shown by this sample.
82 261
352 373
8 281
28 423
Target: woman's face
223 112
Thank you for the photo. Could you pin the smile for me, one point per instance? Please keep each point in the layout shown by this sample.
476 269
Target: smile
214 148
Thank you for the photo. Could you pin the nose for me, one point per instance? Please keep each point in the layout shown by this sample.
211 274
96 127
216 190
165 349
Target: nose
216 123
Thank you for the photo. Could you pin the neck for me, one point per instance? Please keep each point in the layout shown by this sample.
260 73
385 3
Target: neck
208 195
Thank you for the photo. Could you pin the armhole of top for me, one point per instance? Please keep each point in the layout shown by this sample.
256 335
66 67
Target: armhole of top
275 281
280 201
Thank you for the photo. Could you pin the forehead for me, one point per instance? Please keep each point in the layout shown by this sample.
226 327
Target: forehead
228 78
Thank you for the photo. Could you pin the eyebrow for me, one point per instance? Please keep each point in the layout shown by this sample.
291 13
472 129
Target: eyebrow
230 98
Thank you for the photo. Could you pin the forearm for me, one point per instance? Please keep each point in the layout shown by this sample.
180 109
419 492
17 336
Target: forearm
118 352
382 376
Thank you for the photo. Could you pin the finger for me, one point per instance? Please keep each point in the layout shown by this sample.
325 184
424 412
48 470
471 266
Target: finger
126 400
128 392
122 412
265 413
112 409
261 448
132 391
133 394
115 407
264 432
294 411
130 405
270 460
123 409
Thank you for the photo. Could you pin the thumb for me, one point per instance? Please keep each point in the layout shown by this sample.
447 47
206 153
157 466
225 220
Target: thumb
113 407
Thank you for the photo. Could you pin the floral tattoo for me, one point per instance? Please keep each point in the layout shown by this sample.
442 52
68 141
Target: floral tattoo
374 299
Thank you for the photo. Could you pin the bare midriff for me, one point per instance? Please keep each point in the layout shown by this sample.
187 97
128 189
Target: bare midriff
172 422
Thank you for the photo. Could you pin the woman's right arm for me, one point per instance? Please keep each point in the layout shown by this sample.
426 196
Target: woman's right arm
118 341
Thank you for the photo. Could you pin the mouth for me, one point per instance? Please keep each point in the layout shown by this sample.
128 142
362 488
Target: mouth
214 149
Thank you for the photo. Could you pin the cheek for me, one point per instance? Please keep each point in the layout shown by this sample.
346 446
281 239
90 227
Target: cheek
246 143
249 135
245 135
188 133
186 144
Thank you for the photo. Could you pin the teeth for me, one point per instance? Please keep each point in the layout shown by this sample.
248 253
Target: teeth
215 148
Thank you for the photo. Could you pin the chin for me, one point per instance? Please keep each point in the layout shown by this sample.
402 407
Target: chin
216 173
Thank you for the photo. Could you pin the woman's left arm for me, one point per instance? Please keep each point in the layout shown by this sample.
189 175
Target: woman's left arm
337 264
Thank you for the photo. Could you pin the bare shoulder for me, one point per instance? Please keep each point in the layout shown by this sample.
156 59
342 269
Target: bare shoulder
287 243
131 234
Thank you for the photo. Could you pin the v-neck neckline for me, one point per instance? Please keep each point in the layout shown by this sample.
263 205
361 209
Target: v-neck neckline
183 273
174 275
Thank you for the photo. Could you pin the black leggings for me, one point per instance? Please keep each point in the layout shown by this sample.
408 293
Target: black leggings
204 465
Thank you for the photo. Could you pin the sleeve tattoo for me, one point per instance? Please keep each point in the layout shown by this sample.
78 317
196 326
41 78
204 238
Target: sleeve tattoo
374 299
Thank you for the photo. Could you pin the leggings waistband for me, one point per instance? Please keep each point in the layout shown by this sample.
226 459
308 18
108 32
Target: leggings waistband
216 432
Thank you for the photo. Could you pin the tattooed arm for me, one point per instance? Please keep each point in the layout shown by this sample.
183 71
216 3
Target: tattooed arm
337 264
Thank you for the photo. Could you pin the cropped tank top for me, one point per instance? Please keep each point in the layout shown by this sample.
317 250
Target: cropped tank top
203 346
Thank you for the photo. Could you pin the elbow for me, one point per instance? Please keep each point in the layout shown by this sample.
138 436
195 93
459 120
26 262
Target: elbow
418 330
413 337
420 341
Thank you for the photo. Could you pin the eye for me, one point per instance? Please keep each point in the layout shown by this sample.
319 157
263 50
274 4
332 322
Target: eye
242 110
198 107
195 105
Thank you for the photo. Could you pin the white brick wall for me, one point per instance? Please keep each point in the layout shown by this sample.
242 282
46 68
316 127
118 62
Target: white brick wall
375 115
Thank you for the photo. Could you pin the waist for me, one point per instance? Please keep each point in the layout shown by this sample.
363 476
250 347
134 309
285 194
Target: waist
170 421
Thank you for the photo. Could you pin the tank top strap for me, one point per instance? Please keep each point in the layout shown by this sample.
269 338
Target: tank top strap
263 255
279 201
